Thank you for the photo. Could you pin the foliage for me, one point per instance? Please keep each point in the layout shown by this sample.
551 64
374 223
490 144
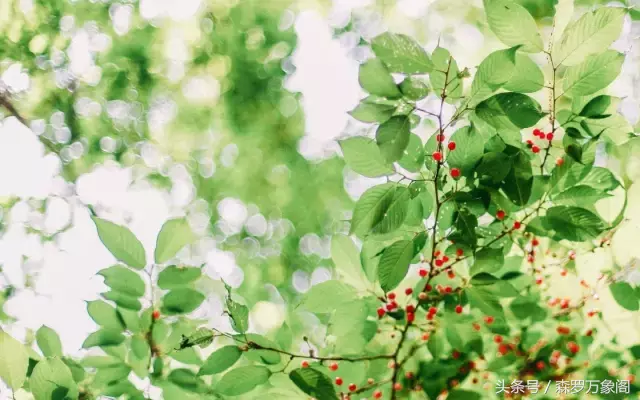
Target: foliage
442 273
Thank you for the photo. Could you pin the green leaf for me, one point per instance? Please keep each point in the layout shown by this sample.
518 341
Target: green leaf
181 301
325 297
600 107
123 280
121 242
495 165
392 138
510 111
363 156
375 78
624 295
123 300
580 195
371 112
104 315
242 380
51 379
400 53
485 301
49 342
527 76
469 149
187 380
394 264
445 78
203 337
346 257
574 223
239 316
131 319
593 33
595 73
220 360
513 25
518 183
488 260
260 350
103 337
493 72
381 209
413 157
414 88
173 277
601 178
15 361
314 383
174 235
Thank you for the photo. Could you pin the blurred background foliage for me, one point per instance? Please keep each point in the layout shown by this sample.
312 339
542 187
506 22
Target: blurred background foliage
201 87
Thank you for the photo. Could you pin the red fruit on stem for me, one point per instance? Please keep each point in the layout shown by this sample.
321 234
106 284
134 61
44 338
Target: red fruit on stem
563 330
381 312
501 214
535 242
448 289
451 274
333 366
488 319
305 364
573 347
537 132
391 296
459 252
455 354
428 287
397 386
437 156
497 339
425 336
540 365
439 262
440 138
422 296
339 381
411 317
451 146
455 172
503 349
517 225
422 272
559 162
539 281
445 258
352 387
476 326
377 394
535 149
408 291
458 309
410 308
549 136
563 272
433 310
156 315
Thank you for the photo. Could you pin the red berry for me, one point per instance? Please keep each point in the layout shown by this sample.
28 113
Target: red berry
339 381
559 162
573 347
563 330
433 310
503 349
451 145
497 339
411 317
352 387
437 253
459 252
563 272
410 308
537 132
572 255
500 214
333 366
428 287
425 336
439 262
517 225
391 296
458 309
488 320
437 156
305 364
535 149
589 332
549 136
381 312
440 138
539 281
455 172
540 365
430 317
408 291
448 289
535 242
156 315
445 258
377 394
422 296
397 386
455 354
422 272
409 375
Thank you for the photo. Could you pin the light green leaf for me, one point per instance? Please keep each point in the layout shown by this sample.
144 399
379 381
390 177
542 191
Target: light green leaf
413 157
174 277
371 112
414 88
121 242
15 361
510 111
49 342
594 74
485 301
346 257
446 78
104 315
600 107
593 33
625 296
52 379
181 301
380 209
393 137
242 380
325 297
103 337
580 195
140 348
123 280
394 264
239 315
257 353
564 14
123 300
601 178
375 78
363 156
174 235
513 25
574 223
400 53
527 76
488 260
220 360
493 72
615 128
314 383
469 149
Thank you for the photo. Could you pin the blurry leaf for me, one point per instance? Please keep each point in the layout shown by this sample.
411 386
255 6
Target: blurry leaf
239 314
574 223
624 295
363 156
220 360
346 257
370 112
488 260
173 277
401 53
51 379
187 380
15 361
314 383
414 88
242 380
49 342
174 235
594 74
121 242
513 25
485 301
202 338
327 296
375 78
181 301
260 349
123 280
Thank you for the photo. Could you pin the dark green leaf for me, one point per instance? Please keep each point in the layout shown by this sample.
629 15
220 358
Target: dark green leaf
314 383
574 223
510 111
393 137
